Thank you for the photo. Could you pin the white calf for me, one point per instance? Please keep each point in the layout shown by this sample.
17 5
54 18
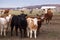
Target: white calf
3 24
32 26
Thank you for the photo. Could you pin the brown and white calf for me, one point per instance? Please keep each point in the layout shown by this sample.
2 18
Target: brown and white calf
32 26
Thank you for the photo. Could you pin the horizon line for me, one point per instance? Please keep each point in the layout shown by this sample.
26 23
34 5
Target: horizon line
28 6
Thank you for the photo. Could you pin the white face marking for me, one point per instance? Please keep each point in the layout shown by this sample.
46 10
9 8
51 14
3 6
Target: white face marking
42 17
35 21
9 15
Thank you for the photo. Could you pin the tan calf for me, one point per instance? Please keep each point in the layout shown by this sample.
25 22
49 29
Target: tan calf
32 26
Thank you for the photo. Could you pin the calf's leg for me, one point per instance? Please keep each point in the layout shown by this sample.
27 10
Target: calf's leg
16 29
31 33
5 29
25 32
28 32
12 30
1 30
35 31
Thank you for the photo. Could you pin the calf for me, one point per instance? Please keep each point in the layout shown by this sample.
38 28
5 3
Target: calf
14 23
48 17
19 21
3 24
32 26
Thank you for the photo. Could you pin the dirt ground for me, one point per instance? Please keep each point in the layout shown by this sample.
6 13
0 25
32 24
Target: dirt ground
47 32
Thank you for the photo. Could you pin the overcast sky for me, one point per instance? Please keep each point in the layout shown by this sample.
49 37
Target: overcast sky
22 3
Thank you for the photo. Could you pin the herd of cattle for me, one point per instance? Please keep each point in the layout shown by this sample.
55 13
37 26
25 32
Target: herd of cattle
26 24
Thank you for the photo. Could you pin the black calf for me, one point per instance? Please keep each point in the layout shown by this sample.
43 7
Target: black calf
19 22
